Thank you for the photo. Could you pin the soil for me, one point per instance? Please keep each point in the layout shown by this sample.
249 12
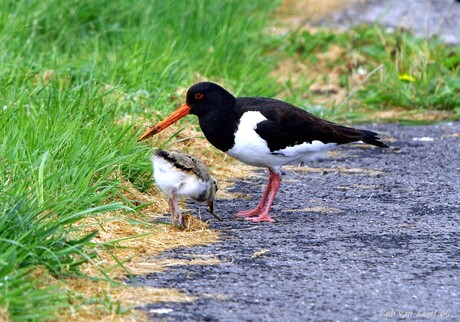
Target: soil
368 234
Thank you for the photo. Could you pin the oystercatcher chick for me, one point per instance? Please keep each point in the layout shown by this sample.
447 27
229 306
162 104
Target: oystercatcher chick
181 175
262 132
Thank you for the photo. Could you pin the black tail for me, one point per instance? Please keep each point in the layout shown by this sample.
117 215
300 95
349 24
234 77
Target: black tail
372 138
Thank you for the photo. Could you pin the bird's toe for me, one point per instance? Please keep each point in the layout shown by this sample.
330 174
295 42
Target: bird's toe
261 218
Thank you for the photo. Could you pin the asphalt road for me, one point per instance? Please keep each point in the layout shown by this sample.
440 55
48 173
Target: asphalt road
424 17
369 235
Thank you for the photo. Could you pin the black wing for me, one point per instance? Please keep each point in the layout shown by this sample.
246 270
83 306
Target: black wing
288 125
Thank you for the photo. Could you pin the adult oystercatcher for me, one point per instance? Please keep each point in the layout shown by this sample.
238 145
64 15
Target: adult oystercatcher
181 175
262 132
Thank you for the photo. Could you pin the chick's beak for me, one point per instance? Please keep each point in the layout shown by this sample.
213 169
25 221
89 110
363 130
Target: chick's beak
171 119
211 210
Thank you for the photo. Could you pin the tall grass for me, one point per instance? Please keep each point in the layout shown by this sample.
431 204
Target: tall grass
69 72
59 153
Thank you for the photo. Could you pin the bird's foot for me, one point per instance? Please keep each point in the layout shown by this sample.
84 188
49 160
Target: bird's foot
262 217
249 213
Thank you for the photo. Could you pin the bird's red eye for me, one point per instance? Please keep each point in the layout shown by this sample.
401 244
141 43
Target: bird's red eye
199 96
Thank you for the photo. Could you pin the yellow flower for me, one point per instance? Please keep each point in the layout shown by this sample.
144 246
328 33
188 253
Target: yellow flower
407 78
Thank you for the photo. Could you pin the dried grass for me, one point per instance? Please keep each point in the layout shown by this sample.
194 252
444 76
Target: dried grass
111 298
155 265
4 315
295 12
453 135
137 248
326 90
260 253
139 241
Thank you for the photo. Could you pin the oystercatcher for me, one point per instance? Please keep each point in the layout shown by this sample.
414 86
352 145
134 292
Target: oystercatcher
262 132
181 175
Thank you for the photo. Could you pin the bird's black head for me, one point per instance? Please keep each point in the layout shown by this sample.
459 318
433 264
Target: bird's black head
206 95
202 98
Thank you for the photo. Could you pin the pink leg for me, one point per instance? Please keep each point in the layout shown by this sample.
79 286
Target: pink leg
176 214
275 185
258 210
271 190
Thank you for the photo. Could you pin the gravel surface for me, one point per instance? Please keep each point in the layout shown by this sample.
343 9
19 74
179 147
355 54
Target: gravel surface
423 17
369 235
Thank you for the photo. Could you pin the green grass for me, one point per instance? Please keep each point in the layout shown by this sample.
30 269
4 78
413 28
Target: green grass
410 73
70 71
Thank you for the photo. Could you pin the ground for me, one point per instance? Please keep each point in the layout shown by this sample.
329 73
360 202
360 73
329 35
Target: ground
369 234
423 17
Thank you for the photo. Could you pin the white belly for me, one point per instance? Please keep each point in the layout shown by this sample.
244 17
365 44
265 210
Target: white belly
250 148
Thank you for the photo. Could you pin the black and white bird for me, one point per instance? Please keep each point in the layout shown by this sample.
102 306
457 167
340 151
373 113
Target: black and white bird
180 175
262 132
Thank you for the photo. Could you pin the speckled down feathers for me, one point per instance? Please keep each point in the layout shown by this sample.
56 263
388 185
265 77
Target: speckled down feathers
179 174
186 163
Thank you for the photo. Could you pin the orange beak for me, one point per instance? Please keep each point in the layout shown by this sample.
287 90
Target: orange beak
171 119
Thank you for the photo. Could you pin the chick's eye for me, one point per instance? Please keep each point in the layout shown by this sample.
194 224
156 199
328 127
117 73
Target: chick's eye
199 96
